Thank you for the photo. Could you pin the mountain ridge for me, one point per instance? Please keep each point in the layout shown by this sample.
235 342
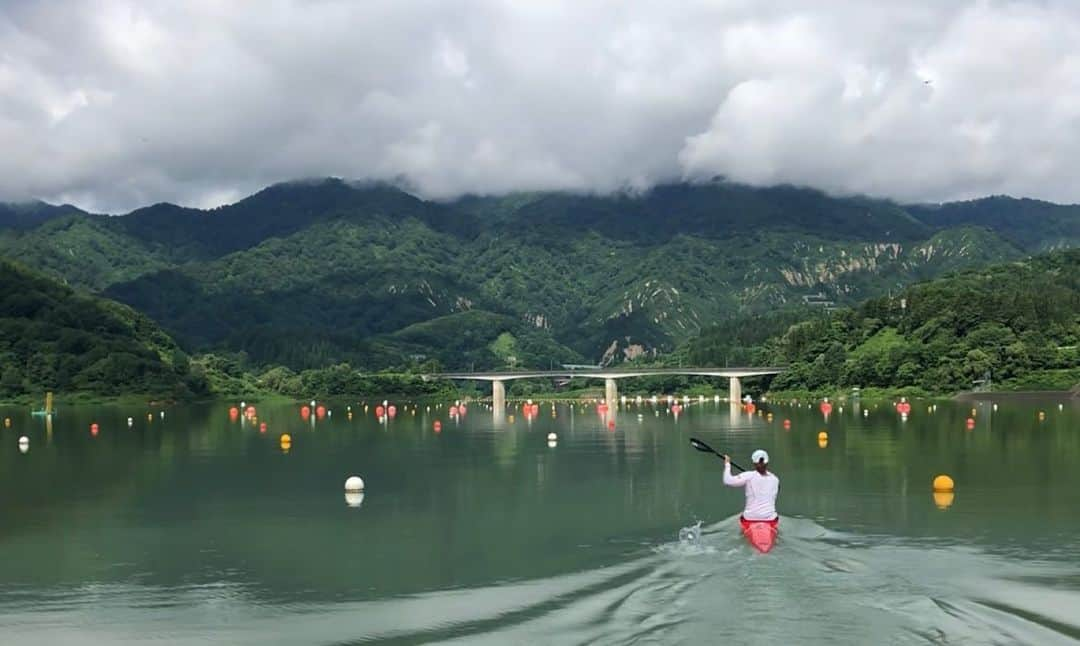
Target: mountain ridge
605 278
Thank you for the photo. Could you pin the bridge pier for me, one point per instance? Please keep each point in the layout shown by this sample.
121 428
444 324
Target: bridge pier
498 395
611 394
735 390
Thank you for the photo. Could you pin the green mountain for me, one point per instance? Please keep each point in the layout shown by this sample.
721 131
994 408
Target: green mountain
52 338
310 273
28 215
1033 225
1016 324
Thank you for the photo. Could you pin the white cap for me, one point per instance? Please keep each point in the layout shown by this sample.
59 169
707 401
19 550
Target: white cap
758 455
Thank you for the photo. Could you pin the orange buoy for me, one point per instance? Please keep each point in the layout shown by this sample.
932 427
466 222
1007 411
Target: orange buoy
943 483
971 422
262 427
437 426
305 412
379 410
787 423
234 412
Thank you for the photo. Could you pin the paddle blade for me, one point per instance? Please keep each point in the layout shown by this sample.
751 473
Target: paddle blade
701 446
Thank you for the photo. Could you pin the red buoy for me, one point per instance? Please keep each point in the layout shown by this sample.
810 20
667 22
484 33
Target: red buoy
305 412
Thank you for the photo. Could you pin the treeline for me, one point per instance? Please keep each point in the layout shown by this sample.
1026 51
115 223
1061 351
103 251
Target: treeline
230 377
1017 325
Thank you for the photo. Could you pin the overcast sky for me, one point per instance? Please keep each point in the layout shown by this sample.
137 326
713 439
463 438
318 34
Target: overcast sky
114 104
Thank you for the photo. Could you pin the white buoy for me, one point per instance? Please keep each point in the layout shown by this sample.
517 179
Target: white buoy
552 444
552 437
243 406
995 407
329 413
866 412
312 403
354 483
354 498
130 421
1061 406
24 444
162 414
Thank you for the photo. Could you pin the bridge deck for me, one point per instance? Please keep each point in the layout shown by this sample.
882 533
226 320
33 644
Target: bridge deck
613 373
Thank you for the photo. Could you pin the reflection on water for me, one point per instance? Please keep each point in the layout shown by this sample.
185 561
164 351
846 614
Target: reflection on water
194 528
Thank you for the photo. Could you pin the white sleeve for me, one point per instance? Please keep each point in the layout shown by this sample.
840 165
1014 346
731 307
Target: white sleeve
730 480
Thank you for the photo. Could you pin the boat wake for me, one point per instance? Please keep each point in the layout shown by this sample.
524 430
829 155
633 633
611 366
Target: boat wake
816 586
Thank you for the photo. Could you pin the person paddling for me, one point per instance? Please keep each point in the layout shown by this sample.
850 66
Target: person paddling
761 485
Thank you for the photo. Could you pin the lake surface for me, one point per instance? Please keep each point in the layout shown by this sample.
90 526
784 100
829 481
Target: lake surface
194 528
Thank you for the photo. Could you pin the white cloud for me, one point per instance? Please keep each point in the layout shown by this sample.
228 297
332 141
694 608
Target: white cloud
119 103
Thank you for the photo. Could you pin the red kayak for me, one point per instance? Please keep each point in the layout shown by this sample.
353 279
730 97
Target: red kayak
760 533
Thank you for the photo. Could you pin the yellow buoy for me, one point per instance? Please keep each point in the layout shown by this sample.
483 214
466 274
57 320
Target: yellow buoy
943 483
944 499
286 441
7 422
1042 416
822 436
823 442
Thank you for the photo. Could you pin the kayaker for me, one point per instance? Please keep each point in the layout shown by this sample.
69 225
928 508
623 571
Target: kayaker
761 489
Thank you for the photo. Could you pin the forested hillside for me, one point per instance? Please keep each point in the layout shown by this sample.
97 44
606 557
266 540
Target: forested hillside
308 274
52 338
1017 324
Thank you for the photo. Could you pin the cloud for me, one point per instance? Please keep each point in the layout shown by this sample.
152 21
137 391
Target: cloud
115 104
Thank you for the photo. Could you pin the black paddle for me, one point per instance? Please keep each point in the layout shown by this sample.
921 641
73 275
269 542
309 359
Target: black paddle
701 446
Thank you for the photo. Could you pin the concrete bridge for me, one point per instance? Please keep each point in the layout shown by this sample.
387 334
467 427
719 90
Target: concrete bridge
498 379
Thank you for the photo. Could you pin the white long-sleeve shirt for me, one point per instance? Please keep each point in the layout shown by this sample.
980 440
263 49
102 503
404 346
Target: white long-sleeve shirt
761 492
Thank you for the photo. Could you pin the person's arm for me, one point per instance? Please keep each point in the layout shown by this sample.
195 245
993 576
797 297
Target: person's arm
730 480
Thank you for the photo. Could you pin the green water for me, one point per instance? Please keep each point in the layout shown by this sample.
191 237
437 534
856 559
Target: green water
196 529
